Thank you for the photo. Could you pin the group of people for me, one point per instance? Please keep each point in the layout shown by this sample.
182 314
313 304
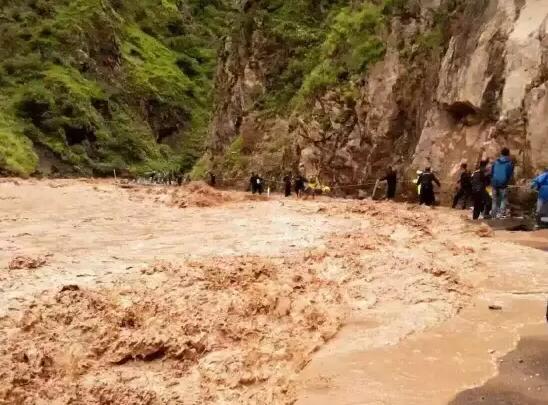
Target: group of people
476 186
486 187
298 184
425 185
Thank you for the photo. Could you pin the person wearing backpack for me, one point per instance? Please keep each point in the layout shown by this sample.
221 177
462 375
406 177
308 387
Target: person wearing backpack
540 183
501 174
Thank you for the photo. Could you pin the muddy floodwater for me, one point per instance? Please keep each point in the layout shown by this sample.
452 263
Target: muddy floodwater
131 294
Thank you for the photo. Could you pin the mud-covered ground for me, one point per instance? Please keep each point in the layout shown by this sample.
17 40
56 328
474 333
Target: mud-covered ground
154 295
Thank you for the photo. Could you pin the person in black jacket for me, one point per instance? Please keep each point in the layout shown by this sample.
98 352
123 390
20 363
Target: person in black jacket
212 179
479 182
426 181
464 190
391 179
253 182
287 185
260 184
299 185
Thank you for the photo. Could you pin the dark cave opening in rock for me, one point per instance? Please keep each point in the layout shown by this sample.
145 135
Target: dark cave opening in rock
461 111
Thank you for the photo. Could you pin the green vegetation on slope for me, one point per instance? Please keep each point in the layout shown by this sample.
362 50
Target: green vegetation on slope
106 84
15 149
352 43
317 45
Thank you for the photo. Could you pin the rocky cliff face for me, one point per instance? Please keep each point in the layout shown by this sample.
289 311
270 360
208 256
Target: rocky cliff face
455 81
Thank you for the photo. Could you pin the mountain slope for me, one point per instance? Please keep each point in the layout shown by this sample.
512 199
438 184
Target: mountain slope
88 86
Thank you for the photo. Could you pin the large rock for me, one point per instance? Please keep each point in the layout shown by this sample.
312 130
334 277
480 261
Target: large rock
486 99
524 53
537 128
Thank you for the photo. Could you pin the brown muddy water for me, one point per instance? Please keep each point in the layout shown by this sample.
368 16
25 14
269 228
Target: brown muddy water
280 301
467 359
522 377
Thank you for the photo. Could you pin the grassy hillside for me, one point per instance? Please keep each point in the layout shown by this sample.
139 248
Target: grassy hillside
88 86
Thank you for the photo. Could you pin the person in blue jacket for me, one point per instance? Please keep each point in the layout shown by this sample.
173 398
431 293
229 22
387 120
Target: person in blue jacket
540 184
502 172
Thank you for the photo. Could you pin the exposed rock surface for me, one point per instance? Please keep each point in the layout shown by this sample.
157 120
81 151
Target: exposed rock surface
480 86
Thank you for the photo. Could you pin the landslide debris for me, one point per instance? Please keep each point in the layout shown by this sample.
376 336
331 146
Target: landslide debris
26 262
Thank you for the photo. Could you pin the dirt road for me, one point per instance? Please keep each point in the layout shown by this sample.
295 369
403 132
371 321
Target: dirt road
145 295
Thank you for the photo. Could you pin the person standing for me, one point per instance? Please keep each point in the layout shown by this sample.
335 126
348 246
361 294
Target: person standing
299 185
426 181
464 190
287 185
501 174
311 188
540 183
260 184
253 182
212 179
488 191
391 179
479 183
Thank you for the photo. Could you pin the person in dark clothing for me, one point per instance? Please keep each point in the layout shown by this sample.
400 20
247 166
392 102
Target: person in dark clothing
479 182
488 199
299 185
260 184
391 179
287 185
426 181
253 183
212 179
464 190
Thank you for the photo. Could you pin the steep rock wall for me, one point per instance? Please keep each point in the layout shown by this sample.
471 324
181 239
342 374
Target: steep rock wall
457 81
